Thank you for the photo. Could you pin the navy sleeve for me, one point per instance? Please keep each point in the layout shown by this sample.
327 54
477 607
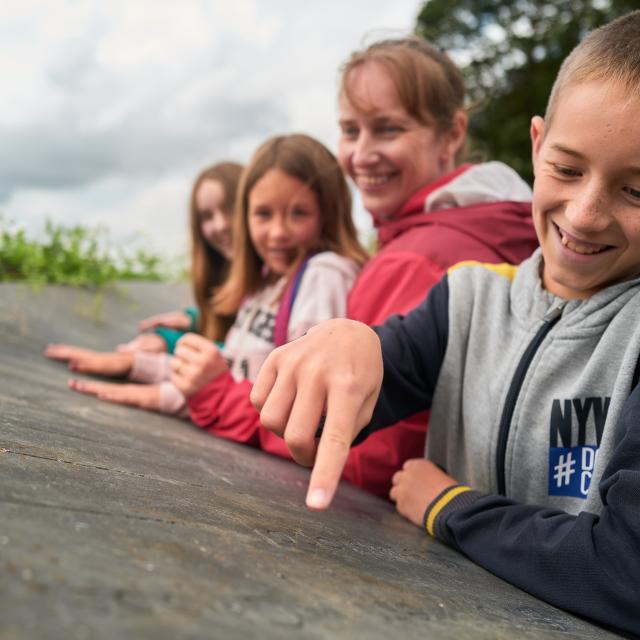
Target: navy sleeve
588 564
413 347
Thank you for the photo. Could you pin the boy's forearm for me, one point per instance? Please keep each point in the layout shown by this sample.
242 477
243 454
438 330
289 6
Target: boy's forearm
413 348
588 564
557 557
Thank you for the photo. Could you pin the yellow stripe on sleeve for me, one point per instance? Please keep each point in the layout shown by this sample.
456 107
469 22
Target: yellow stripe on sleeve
503 269
442 503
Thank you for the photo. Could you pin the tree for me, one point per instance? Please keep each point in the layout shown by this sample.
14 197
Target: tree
510 52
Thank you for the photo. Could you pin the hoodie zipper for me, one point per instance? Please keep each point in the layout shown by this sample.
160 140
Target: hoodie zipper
549 320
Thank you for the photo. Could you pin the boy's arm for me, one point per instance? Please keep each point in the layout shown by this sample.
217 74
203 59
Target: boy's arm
588 564
336 370
413 349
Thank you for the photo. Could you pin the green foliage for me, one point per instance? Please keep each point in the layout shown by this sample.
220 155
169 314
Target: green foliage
74 255
515 49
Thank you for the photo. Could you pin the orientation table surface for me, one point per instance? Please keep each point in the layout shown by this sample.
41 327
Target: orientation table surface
120 523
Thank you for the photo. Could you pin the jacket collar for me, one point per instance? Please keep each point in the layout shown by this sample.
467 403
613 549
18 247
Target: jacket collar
390 227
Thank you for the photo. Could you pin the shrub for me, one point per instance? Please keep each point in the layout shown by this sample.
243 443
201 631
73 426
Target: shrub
73 255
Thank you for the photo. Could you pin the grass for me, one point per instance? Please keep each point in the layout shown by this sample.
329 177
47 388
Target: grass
73 255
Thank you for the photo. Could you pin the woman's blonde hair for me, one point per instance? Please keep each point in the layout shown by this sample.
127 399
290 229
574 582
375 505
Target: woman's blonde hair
429 84
209 268
307 160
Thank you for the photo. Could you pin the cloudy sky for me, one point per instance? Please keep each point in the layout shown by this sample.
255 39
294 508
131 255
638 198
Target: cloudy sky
109 109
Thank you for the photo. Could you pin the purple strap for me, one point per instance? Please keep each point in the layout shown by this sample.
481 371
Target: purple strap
286 304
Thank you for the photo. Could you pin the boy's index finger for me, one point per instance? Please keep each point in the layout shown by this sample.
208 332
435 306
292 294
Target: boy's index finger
339 429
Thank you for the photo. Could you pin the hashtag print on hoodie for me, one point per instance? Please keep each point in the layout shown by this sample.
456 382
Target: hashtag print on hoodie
534 412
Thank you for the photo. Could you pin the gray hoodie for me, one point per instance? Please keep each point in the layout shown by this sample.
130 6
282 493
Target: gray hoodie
535 414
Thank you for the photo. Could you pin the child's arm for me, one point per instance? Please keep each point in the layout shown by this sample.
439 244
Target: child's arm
179 320
163 397
588 564
216 401
144 396
150 342
336 370
223 408
114 364
168 328
196 362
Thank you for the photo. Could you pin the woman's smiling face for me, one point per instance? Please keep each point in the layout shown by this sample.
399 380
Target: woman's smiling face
388 153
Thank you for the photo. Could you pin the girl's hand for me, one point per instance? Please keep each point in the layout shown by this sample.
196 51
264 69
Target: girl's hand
197 361
114 365
416 486
172 320
149 342
145 396
335 370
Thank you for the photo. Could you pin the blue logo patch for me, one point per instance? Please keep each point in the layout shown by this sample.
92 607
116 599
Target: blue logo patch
570 470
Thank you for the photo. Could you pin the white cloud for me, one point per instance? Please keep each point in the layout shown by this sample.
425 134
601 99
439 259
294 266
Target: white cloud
110 109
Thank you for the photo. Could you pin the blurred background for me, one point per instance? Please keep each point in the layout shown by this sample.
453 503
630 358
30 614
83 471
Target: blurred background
109 110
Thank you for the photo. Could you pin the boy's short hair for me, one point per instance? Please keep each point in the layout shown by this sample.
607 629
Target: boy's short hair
610 53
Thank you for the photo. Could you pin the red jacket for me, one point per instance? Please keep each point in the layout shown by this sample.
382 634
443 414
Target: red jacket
417 247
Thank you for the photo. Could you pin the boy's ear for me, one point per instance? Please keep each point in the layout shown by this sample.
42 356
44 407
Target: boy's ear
537 137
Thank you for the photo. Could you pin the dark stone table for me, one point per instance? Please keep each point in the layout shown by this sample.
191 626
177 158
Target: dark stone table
117 523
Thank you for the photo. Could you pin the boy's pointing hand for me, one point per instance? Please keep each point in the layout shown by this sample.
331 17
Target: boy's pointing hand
336 371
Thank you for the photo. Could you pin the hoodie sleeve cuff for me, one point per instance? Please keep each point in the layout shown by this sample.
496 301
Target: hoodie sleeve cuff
150 368
206 401
451 499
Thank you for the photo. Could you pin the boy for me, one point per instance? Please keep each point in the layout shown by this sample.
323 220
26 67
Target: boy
530 372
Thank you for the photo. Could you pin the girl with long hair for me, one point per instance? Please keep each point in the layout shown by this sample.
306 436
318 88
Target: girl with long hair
296 255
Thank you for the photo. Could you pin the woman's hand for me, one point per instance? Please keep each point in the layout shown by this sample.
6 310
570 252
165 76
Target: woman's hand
172 320
416 486
196 362
113 365
145 396
334 370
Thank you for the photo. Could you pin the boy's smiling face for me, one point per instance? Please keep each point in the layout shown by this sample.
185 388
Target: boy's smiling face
586 202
